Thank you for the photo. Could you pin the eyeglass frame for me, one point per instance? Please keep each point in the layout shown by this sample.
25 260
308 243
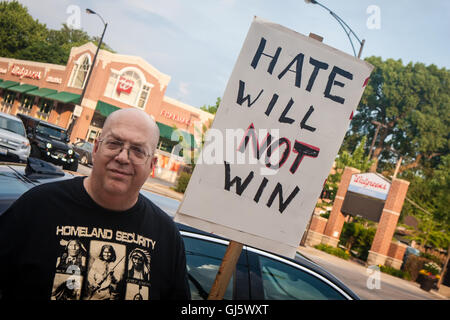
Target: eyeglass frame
147 156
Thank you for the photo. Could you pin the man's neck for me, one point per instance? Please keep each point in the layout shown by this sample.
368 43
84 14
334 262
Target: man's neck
110 202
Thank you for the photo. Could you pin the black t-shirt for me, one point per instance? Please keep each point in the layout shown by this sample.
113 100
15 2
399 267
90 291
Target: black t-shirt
57 243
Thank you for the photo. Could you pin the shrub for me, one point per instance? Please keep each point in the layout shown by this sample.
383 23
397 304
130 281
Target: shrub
431 257
395 272
182 182
357 238
338 252
413 265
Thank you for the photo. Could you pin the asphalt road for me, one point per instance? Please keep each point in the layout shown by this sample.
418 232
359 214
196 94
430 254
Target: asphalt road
369 284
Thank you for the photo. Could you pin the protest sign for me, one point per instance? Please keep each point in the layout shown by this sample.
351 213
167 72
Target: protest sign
283 116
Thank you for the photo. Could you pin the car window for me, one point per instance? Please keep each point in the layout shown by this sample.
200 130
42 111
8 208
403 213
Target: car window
12 125
203 259
51 132
285 282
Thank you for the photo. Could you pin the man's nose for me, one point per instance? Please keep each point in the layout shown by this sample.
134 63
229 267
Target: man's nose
123 156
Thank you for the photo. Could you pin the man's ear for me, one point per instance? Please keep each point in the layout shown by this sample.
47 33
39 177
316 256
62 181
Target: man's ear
95 149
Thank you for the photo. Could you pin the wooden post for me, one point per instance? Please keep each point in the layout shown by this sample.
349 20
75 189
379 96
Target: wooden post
225 272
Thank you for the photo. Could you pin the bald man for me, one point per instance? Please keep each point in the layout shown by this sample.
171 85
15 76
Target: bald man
108 217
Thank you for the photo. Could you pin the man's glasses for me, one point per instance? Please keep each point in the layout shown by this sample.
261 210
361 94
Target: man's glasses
113 147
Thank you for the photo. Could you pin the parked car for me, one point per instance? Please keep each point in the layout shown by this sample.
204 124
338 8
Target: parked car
49 142
14 144
84 150
259 275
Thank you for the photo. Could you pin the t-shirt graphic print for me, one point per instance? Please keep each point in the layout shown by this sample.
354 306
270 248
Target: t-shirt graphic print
101 270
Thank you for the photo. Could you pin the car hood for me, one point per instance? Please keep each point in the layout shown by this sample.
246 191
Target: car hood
12 136
56 144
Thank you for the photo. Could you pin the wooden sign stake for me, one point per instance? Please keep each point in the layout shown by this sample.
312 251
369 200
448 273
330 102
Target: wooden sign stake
225 272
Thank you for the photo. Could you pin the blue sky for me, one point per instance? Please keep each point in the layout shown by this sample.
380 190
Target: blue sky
197 42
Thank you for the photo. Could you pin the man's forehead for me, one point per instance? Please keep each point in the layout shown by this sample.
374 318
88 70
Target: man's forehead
138 139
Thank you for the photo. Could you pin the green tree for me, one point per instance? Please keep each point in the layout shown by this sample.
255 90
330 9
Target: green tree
357 159
67 38
25 38
43 51
212 108
18 29
413 104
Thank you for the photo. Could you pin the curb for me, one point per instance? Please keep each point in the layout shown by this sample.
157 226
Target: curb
163 190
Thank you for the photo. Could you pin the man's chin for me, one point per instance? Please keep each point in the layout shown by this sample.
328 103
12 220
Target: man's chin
117 186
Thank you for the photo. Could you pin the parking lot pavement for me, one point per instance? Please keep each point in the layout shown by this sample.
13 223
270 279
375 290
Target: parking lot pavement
366 283
161 189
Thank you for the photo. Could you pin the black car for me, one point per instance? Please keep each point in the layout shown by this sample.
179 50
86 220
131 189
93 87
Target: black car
49 142
15 178
259 275
84 150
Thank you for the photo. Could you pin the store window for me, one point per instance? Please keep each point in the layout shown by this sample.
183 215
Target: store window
9 96
45 107
128 86
26 104
80 72
8 100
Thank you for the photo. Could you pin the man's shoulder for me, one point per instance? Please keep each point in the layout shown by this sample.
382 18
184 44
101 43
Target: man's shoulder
54 186
157 215
55 190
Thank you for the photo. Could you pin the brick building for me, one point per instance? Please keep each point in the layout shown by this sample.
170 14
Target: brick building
52 93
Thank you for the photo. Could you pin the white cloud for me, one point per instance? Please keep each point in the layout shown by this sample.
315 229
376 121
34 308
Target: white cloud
183 89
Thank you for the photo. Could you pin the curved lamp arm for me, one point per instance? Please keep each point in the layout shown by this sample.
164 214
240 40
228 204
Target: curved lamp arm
348 31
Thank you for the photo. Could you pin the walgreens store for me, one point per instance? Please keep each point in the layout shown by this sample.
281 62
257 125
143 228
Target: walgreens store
52 93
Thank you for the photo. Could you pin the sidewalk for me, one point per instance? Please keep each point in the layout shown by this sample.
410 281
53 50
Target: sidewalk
155 186
355 276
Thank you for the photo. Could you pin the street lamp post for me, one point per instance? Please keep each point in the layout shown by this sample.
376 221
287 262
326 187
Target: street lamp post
89 11
347 29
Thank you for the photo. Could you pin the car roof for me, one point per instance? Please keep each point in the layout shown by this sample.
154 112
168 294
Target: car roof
9 116
41 121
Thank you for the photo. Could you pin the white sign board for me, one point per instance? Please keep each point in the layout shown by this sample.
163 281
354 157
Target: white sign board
282 119
77 110
369 184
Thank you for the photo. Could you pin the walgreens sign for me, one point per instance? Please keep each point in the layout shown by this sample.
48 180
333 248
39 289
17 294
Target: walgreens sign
124 85
23 72
370 184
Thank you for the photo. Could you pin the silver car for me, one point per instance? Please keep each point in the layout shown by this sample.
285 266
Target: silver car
14 144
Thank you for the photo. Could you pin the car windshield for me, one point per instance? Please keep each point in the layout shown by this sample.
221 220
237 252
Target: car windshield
89 146
12 125
86 146
51 132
